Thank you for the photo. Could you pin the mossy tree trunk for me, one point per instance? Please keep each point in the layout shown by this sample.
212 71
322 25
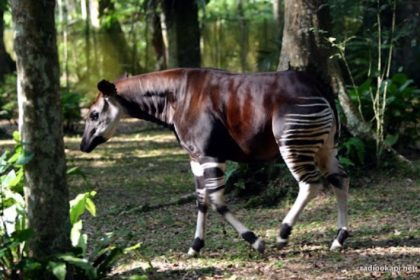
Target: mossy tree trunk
183 31
40 124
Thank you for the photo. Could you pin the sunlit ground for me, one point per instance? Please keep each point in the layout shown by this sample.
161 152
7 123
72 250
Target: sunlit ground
144 166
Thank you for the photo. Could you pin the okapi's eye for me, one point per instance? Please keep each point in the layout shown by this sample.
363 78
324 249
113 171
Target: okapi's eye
94 116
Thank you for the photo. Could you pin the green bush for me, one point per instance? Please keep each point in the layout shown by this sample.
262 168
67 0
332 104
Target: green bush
15 260
8 98
402 116
71 109
352 152
9 108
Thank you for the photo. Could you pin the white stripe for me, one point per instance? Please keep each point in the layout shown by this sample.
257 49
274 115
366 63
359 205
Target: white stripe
240 228
312 97
196 169
201 219
213 165
312 104
326 111
214 182
281 240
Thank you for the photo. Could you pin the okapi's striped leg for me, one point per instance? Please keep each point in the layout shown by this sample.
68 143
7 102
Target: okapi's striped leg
301 163
307 191
341 194
214 182
337 177
202 206
305 131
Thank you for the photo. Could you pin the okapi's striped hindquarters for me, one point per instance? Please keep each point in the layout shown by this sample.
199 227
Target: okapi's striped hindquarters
308 148
219 116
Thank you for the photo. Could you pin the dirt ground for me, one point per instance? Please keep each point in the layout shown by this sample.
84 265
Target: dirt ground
143 167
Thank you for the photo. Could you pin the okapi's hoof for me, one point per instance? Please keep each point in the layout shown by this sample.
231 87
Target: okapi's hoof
194 250
336 246
338 242
259 245
281 243
192 253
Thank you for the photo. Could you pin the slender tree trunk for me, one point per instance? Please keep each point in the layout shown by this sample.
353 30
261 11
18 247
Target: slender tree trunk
408 54
87 33
63 15
40 124
243 37
116 36
7 65
157 36
183 31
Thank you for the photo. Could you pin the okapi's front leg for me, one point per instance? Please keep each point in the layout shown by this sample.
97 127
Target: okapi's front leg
215 185
202 206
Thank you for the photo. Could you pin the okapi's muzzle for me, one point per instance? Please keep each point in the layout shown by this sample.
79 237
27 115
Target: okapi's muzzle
87 145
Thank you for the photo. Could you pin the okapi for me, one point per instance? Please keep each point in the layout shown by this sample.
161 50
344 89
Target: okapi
219 116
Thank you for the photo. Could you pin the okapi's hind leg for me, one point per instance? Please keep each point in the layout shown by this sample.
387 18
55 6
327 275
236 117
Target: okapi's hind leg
307 191
341 193
215 185
337 177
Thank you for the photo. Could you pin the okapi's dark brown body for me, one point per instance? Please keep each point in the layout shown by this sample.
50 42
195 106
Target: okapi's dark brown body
224 115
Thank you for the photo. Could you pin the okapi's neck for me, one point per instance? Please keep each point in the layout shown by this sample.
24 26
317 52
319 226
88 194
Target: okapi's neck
152 97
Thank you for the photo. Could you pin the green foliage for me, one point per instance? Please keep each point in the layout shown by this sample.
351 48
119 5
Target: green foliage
9 108
8 98
401 118
228 10
384 99
352 151
14 232
70 102
80 204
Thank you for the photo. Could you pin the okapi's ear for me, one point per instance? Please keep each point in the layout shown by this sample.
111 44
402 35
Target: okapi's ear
107 88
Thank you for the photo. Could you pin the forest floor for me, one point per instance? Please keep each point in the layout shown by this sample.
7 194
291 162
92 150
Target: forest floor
143 166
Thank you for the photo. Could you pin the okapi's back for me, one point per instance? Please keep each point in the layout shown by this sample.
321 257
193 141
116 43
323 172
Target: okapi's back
254 98
230 91
243 108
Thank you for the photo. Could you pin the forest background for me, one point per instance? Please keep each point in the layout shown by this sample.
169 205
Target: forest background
100 39
375 45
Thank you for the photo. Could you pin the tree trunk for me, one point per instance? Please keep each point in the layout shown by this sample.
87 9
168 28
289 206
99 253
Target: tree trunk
113 30
157 37
243 37
183 31
7 65
64 20
303 48
301 45
40 124
408 54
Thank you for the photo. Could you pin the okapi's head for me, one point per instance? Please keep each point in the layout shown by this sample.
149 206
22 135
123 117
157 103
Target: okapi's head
103 117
